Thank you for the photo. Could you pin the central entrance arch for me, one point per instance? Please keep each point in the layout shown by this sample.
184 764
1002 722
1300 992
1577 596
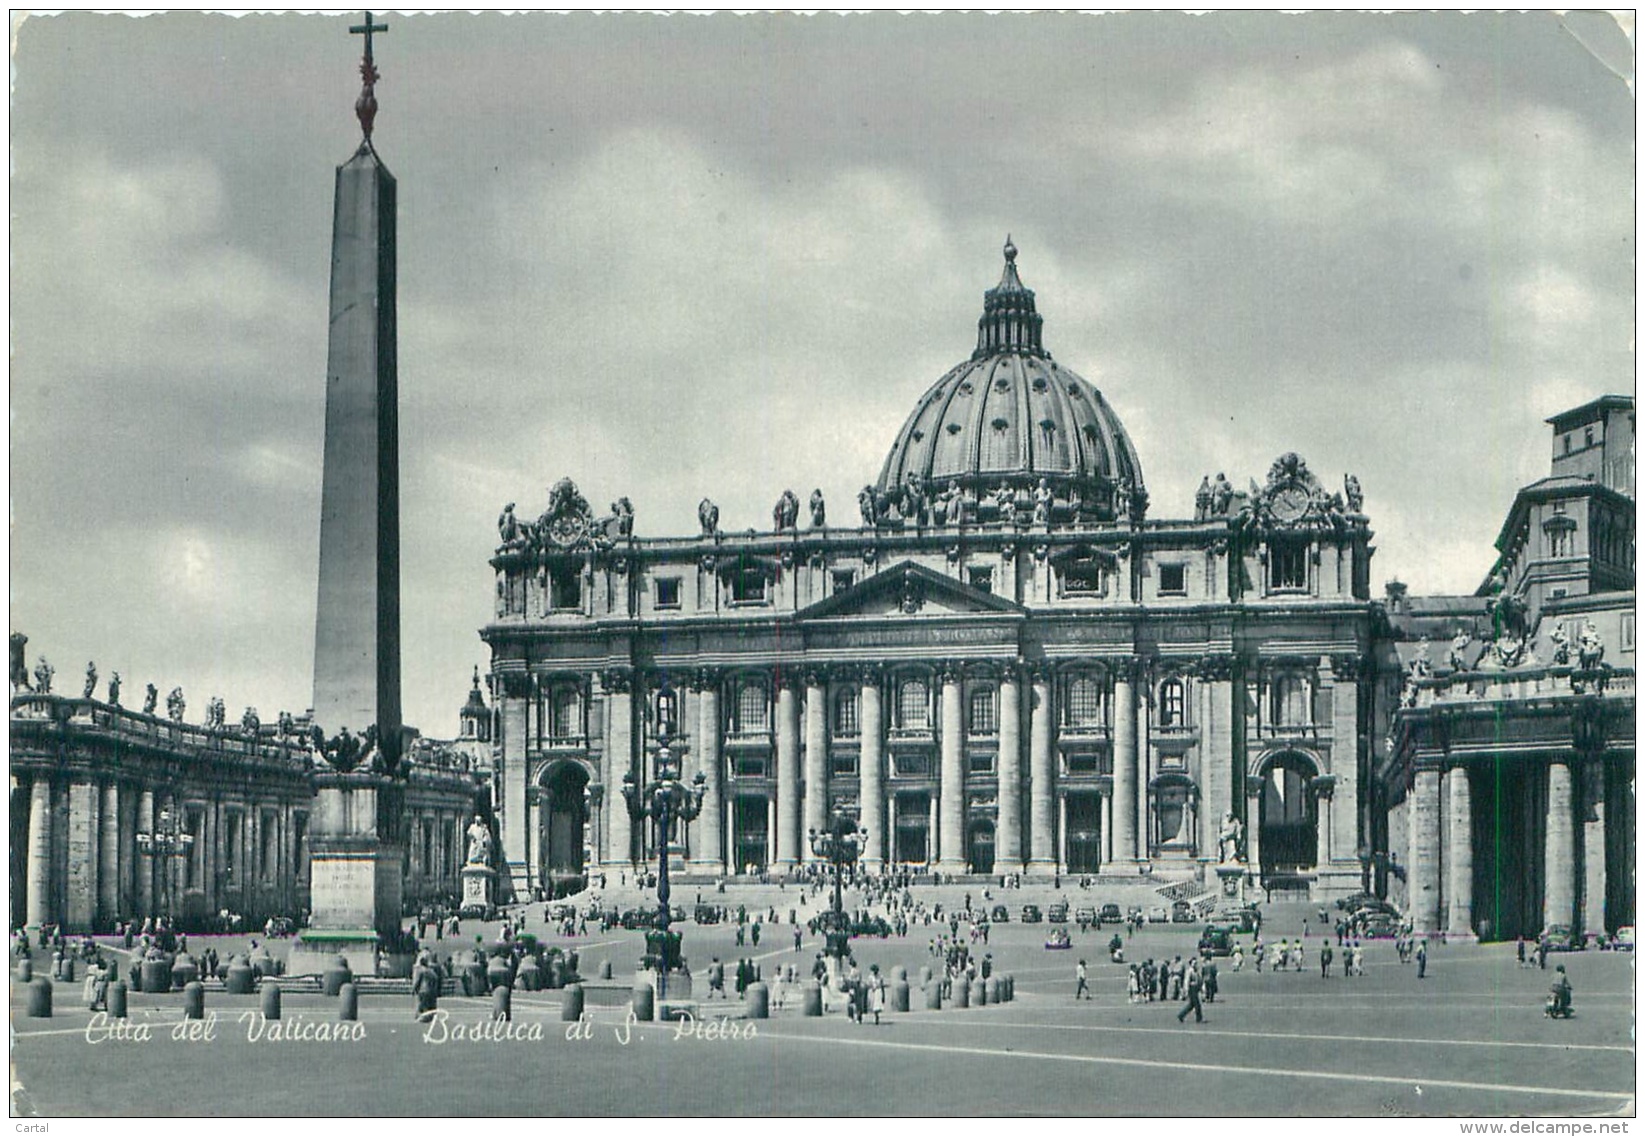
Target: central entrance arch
562 822
1288 815
980 842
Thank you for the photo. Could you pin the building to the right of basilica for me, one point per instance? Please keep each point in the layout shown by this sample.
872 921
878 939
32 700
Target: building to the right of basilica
997 660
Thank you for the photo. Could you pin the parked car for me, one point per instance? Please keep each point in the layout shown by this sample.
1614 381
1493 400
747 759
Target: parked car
1110 914
1217 939
1058 913
1380 926
1624 938
1240 917
707 914
1354 901
1159 915
1560 937
1374 907
1182 912
1030 913
1000 915
1086 916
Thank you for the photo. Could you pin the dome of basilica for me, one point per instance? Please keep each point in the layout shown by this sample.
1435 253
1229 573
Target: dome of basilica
1010 435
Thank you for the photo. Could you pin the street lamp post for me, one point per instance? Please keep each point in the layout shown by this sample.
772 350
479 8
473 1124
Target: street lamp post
666 799
840 845
166 840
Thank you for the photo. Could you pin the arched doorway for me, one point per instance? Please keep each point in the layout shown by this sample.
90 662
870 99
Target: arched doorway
1082 848
1288 815
980 846
562 820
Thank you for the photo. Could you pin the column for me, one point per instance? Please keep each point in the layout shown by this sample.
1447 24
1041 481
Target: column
1253 827
81 898
1559 858
1062 831
515 724
788 772
1009 827
951 821
872 769
1345 758
1107 827
1459 854
618 760
1042 773
108 853
1593 850
1425 870
709 849
1125 765
145 863
39 910
770 854
816 759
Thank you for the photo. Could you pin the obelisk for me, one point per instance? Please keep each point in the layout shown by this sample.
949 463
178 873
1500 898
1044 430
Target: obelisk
356 859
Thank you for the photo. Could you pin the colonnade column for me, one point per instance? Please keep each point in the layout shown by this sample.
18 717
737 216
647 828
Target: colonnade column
1253 827
951 831
1559 856
1107 827
816 758
1008 829
1125 764
1425 869
145 863
39 871
618 760
1593 849
1042 793
108 851
788 772
1344 693
710 852
1459 854
81 890
871 764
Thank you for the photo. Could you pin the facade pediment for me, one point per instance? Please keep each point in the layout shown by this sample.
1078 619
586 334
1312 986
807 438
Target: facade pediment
912 591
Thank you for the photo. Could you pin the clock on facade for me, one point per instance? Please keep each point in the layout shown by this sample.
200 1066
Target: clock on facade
1289 504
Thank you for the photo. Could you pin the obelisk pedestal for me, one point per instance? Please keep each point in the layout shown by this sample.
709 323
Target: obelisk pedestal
355 878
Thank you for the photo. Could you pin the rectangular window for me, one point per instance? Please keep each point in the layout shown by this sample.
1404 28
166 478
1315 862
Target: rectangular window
748 587
1587 436
564 721
751 709
982 579
913 706
1559 543
565 590
1084 702
1288 566
914 765
1567 440
750 766
1082 578
844 579
1173 580
843 764
845 713
668 592
981 763
982 712
1082 762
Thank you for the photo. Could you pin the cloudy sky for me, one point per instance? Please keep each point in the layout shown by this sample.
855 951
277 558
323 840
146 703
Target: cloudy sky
684 256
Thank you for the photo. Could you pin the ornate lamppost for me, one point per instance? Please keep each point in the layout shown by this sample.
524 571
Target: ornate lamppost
666 799
167 839
840 845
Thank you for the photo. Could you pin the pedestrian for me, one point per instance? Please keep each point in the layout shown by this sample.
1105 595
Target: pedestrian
1542 953
796 938
1133 985
716 978
425 985
1239 958
1208 979
1325 960
1081 987
1193 1003
1422 959
1520 948
876 992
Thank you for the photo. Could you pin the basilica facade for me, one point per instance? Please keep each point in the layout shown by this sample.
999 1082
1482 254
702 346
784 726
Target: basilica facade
1002 662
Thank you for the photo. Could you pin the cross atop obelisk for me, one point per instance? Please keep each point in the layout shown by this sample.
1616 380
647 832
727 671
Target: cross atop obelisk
366 105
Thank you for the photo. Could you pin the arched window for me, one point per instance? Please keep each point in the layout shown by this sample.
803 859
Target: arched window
845 713
1084 702
913 705
1172 703
564 719
1288 701
750 709
981 719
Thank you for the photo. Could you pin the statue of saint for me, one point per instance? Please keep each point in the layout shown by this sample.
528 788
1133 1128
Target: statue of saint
1562 645
19 662
1590 649
250 723
708 516
1351 491
1229 838
114 689
1222 495
1042 503
1459 647
865 502
819 512
786 512
43 672
91 680
1202 499
913 499
150 699
175 706
508 528
479 842
623 510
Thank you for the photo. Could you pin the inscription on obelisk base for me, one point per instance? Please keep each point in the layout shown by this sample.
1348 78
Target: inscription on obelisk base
355 880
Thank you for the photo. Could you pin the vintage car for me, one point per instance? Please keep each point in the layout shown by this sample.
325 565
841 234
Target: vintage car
1158 915
1058 940
1000 914
1058 912
1086 917
1030 913
1111 914
1240 917
1379 926
1560 937
1217 939
1624 938
1182 912
707 914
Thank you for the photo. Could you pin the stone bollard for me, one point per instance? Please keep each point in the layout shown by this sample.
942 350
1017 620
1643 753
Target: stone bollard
25 970
571 1007
117 1000
476 984
925 976
156 976
194 1000
183 972
68 969
979 993
271 1001
529 977
348 1003
757 1001
811 1003
40 998
1010 988
333 981
899 973
993 989
239 979
644 1001
899 995
502 1003
500 974
605 969
933 996
962 994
